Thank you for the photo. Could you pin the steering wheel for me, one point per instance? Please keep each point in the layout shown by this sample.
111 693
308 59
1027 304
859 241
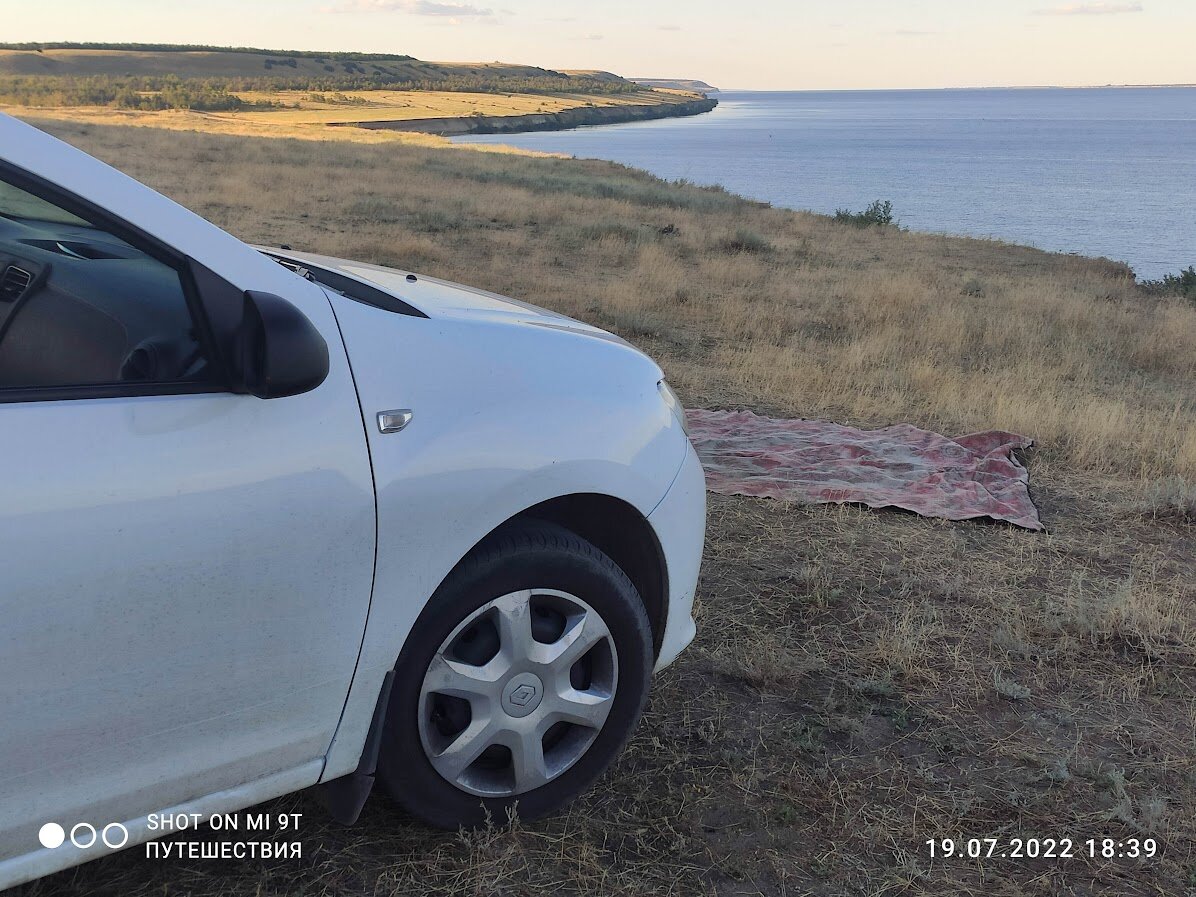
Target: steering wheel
159 359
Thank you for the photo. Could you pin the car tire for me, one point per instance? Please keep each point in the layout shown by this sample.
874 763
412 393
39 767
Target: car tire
573 591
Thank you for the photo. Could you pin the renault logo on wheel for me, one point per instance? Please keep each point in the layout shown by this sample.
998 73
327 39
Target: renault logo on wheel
523 695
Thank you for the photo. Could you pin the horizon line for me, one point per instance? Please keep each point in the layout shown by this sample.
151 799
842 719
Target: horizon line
927 89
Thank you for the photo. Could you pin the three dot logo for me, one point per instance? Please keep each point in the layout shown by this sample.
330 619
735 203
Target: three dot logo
51 835
83 835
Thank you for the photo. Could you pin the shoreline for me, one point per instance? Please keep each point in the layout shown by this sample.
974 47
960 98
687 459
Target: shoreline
945 211
567 119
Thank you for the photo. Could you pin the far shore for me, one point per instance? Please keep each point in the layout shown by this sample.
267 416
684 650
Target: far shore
419 114
578 116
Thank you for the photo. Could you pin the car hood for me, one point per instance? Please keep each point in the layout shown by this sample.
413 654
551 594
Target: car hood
442 298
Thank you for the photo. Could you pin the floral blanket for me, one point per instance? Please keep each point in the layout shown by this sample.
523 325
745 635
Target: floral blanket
816 462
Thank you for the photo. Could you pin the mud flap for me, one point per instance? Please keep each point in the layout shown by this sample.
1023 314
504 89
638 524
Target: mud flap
345 797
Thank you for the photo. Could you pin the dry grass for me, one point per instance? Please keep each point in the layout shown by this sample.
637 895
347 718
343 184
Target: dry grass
405 105
861 681
242 126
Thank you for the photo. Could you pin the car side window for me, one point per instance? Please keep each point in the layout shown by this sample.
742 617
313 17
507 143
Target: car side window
82 307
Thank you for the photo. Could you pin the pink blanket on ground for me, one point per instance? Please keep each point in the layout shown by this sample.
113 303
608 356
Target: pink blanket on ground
815 462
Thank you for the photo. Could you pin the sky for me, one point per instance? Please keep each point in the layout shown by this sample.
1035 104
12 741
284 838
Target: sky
754 44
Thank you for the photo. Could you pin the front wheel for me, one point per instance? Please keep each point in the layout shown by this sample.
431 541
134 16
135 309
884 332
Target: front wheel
520 682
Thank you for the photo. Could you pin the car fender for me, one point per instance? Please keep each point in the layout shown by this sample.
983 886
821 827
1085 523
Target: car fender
504 417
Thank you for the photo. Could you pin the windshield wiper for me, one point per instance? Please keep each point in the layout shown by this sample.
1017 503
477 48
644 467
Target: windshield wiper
295 268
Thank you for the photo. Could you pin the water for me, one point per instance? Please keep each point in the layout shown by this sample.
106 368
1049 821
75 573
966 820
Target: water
1103 172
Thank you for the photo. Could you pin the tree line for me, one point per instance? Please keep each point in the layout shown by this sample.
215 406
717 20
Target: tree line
200 48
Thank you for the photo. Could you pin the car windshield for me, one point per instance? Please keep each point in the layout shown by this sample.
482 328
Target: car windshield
16 203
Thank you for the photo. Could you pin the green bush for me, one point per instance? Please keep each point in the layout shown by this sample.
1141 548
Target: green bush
879 214
1181 284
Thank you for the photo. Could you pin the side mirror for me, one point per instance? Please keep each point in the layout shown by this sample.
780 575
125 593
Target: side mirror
278 352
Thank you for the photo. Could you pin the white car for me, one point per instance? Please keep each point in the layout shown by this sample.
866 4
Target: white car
273 520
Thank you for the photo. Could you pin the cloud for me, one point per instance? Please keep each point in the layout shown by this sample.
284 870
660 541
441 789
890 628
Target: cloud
668 27
1091 9
909 32
413 7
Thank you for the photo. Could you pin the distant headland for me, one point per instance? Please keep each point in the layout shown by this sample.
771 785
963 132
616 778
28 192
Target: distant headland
257 88
689 84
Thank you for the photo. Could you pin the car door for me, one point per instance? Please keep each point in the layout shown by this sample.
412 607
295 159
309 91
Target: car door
185 572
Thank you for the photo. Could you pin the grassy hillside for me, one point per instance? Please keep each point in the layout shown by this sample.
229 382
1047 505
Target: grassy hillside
133 60
861 681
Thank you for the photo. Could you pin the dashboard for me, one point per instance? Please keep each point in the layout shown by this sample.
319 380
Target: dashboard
79 306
